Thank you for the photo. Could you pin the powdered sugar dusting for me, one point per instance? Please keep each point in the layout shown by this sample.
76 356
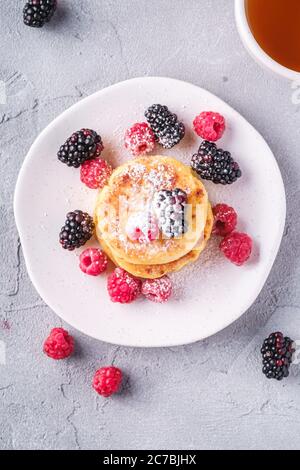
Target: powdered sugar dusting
161 177
135 172
190 279
164 177
144 182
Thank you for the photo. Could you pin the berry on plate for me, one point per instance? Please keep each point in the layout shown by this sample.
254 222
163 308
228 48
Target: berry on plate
214 164
277 355
225 219
139 139
209 125
167 129
93 261
38 12
59 344
78 229
95 173
107 381
237 247
157 290
83 145
122 287
169 206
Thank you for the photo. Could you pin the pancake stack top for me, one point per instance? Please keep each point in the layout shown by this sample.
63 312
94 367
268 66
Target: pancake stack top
129 198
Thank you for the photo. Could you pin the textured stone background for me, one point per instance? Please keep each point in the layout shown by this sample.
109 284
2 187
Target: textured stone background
207 395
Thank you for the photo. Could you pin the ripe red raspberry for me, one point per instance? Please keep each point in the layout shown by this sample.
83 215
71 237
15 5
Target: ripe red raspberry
209 125
157 290
93 261
59 344
107 380
139 139
237 247
225 219
122 287
95 173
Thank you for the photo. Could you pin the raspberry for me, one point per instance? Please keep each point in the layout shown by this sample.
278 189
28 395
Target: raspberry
95 173
209 125
157 290
59 344
237 247
122 287
139 139
225 219
107 380
93 261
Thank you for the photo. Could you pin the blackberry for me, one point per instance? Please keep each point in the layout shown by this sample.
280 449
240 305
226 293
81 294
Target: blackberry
168 131
169 207
38 12
83 145
214 164
277 354
78 229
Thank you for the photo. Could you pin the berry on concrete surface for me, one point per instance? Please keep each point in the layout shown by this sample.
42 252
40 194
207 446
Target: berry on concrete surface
237 247
277 355
122 287
214 164
78 229
107 381
157 290
139 139
95 173
225 219
59 344
83 145
209 125
38 12
93 261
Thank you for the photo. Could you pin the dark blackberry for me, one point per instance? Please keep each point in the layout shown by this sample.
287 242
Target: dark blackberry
169 207
214 164
78 229
277 353
81 146
38 12
167 129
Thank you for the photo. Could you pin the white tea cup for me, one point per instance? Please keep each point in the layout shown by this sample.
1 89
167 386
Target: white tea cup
254 48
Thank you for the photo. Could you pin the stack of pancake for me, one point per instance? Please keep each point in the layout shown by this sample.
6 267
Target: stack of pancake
131 190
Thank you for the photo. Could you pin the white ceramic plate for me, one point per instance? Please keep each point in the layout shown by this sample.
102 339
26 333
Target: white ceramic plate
208 295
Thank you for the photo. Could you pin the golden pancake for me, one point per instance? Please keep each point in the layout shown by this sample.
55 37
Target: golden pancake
158 270
130 190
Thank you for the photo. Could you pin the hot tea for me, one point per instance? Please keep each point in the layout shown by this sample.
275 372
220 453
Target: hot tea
275 25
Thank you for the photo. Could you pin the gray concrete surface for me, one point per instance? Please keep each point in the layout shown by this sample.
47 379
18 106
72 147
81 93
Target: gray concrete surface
210 395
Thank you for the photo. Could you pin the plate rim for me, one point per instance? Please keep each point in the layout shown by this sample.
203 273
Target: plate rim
167 343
